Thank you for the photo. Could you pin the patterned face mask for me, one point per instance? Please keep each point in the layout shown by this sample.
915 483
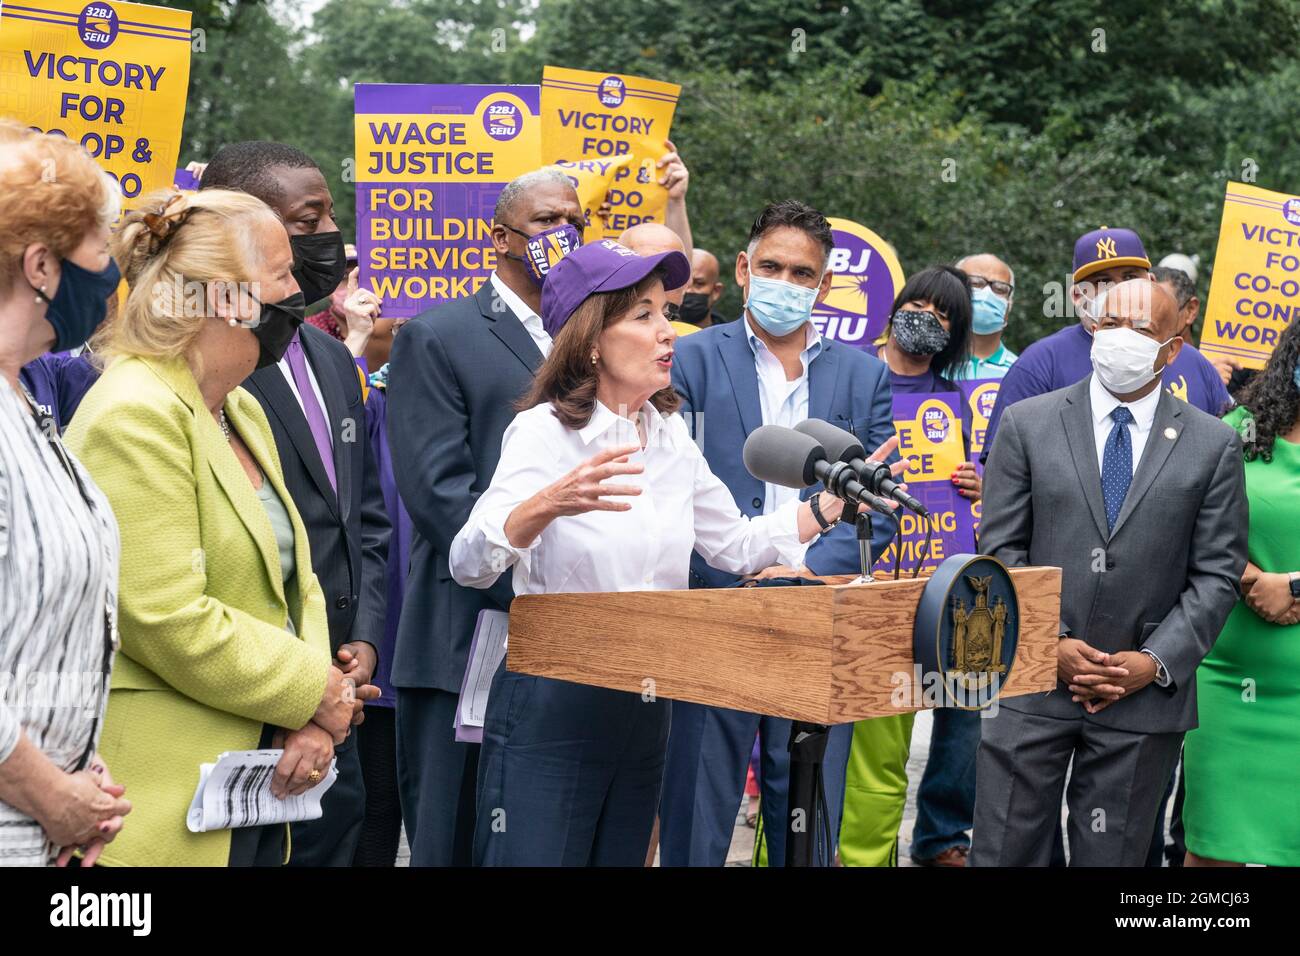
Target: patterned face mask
919 333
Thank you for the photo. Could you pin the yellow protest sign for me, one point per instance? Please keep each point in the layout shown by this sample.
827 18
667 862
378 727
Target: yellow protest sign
110 75
1255 291
609 130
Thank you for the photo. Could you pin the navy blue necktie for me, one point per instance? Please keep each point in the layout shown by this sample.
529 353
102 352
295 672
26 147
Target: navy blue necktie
1117 464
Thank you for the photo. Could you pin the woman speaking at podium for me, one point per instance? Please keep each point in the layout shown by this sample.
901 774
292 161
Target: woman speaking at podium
569 774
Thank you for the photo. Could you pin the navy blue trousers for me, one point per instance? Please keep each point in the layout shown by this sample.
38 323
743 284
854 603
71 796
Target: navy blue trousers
435 777
569 774
708 756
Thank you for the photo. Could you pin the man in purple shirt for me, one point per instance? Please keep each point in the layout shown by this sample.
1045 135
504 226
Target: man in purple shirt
1102 258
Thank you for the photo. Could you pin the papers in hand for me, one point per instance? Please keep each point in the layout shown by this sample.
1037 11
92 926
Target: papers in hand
486 652
236 792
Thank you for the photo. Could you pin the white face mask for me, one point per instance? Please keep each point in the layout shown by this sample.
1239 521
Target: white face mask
1124 360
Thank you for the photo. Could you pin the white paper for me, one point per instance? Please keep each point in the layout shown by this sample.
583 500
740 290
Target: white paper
236 792
486 654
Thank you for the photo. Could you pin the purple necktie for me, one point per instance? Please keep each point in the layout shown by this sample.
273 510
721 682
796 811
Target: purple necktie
311 408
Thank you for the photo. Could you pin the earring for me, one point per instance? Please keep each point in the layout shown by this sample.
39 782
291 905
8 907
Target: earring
40 298
232 322
594 356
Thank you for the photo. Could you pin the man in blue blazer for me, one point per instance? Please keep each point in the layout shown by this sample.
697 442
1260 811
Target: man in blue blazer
771 367
455 375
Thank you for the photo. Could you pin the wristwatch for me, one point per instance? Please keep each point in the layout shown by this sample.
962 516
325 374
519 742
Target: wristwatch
1295 585
821 519
1162 676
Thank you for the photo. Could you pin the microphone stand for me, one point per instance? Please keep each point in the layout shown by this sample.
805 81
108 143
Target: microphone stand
807 816
864 546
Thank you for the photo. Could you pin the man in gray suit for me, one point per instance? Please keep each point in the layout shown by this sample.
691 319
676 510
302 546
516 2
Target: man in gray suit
1140 499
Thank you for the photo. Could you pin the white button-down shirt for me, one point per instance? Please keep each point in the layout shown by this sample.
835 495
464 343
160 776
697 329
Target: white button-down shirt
682 506
782 401
530 319
1139 430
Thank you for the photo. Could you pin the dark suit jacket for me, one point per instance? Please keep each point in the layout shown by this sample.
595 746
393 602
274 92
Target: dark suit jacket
1167 575
348 531
456 373
714 372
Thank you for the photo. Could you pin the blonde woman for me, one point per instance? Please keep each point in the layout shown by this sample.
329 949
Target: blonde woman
224 637
58 539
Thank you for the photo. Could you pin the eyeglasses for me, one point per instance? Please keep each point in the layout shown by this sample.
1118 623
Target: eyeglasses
1003 289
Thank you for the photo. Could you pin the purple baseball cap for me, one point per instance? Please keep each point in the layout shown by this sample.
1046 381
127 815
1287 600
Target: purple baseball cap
1106 248
603 266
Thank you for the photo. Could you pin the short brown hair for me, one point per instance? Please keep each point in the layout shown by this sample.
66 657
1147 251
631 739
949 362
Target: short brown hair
568 378
51 192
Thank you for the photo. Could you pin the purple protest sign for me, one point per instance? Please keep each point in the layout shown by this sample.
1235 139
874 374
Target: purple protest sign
867 275
430 163
930 441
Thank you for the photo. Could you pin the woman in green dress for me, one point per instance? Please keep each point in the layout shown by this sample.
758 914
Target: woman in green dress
1242 763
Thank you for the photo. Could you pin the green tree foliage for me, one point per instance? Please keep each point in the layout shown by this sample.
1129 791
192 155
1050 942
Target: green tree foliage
949 127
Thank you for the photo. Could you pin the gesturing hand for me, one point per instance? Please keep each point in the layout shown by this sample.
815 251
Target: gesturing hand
583 490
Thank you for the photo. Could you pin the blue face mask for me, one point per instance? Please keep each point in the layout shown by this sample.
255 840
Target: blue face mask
779 307
990 313
1295 376
81 303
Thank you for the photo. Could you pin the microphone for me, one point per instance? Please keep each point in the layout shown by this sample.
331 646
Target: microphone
875 475
792 459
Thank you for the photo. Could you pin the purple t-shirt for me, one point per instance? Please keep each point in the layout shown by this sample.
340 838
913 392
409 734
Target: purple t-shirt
1065 357
59 381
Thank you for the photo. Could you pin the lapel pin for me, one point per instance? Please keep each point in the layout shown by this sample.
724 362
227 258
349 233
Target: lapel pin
1171 433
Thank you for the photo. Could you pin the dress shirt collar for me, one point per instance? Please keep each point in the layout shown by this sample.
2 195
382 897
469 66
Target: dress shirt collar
813 344
1103 403
603 420
512 301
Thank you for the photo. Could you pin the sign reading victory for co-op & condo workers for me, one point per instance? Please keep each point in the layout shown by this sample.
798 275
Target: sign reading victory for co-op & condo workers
112 76
1255 290
867 276
608 131
930 441
430 163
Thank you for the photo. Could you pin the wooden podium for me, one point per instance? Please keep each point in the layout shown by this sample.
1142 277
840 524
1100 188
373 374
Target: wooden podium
826 655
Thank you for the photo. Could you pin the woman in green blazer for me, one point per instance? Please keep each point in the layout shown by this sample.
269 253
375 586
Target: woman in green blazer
223 628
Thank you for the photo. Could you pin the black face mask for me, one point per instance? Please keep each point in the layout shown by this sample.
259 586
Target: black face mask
695 308
276 327
319 264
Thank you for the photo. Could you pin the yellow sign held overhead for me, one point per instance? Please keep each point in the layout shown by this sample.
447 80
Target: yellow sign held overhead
113 76
608 131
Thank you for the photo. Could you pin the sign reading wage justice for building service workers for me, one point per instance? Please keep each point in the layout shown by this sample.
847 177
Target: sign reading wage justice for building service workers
430 163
